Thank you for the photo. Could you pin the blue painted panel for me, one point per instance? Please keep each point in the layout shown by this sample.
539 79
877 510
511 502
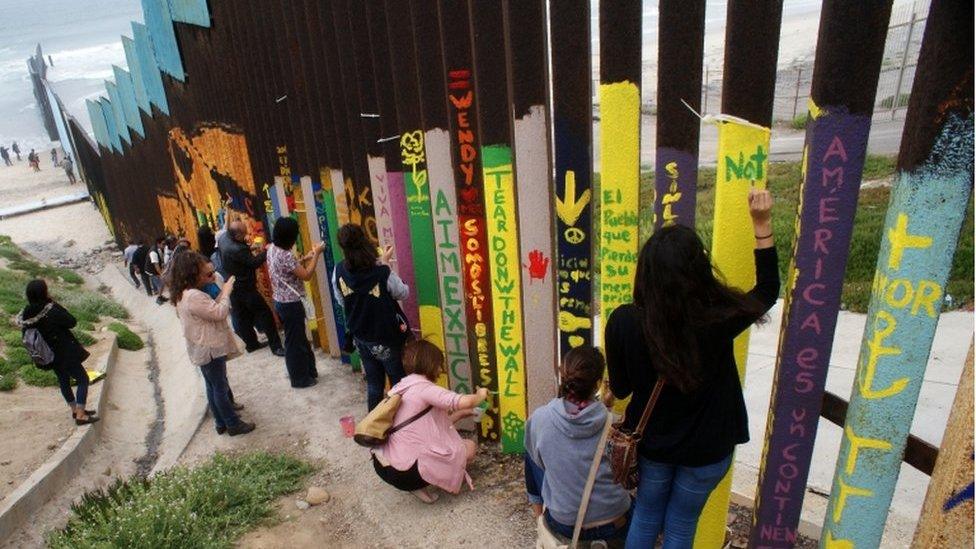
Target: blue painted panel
190 11
151 78
135 73
115 99
98 123
160 25
128 96
108 115
59 124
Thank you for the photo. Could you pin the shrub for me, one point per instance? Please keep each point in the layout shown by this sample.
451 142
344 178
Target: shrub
7 367
127 340
89 306
209 506
799 122
38 378
84 337
19 356
8 382
86 326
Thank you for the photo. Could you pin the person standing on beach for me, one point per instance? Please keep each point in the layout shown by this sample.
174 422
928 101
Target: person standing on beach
54 157
5 154
34 161
238 259
16 148
69 169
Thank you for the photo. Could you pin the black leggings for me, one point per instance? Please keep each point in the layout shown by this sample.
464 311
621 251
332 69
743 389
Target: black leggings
65 375
408 480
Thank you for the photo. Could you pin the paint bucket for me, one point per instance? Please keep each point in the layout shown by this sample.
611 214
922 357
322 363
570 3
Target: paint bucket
348 424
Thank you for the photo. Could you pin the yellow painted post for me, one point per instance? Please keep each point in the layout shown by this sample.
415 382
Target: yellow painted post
743 151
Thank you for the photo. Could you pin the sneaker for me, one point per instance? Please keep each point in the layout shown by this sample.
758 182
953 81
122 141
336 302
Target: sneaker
237 407
278 352
160 300
221 430
240 429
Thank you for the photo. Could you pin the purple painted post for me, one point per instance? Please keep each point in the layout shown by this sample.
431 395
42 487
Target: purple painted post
402 245
851 42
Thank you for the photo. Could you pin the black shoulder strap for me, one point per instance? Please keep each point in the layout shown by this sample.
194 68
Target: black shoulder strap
412 419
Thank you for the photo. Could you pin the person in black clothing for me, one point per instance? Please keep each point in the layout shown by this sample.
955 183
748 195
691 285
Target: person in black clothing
369 290
5 154
54 323
139 259
16 148
207 241
679 330
248 307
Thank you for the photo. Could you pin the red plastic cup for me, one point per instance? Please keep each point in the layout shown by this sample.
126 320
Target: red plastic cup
348 424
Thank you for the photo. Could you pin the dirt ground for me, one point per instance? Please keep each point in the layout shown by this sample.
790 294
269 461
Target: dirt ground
35 424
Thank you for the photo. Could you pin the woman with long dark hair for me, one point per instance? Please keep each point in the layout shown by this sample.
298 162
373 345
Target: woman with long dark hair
288 274
54 323
680 329
370 290
209 341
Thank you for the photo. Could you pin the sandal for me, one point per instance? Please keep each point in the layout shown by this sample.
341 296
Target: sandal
425 496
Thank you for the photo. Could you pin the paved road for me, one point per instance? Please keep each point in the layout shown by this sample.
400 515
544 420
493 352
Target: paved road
786 145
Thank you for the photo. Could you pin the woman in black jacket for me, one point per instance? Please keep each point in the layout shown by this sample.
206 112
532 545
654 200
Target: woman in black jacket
680 330
54 323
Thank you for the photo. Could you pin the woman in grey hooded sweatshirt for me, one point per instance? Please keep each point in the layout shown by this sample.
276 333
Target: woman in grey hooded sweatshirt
560 441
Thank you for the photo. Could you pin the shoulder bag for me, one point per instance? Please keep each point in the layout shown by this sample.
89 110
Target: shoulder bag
375 429
545 539
623 442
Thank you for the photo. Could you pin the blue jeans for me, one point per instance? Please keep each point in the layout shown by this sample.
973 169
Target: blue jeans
672 497
299 358
379 362
218 393
65 374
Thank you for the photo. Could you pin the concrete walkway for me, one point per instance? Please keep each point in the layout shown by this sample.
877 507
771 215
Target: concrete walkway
938 389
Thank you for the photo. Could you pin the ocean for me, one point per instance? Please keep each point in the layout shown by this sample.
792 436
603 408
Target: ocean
83 39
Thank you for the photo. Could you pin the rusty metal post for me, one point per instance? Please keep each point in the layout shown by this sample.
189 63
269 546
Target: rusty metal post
845 78
681 43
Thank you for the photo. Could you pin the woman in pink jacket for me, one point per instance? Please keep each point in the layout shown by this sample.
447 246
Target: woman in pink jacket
208 337
427 451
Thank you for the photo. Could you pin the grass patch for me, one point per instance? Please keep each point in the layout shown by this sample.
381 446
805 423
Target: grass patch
90 306
208 506
37 377
7 367
84 337
799 121
784 180
19 356
12 339
8 382
127 340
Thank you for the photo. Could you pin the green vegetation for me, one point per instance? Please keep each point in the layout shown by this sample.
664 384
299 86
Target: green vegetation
8 382
65 286
208 506
784 179
902 100
799 121
127 339
37 377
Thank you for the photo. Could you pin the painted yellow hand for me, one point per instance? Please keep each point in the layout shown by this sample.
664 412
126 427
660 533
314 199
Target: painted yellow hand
568 322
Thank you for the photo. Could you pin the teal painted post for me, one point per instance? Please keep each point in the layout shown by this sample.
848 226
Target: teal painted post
127 95
135 72
159 21
925 213
194 12
151 77
98 123
115 99
108 115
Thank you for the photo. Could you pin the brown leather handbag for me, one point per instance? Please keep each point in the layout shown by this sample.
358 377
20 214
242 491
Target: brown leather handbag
622 444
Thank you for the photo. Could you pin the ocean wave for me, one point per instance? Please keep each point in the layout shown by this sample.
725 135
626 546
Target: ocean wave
92 62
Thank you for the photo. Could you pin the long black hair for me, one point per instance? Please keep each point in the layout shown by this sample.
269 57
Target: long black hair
36 292
678 293
359 252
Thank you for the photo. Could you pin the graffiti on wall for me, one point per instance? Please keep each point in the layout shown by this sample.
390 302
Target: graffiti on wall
925 214
833 160
474 246
499 197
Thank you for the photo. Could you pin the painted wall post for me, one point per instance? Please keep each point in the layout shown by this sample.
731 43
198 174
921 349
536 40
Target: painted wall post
469 186
925 213
681 43
491 83
443 196
851 42
751 43
525 28
572 120
947 515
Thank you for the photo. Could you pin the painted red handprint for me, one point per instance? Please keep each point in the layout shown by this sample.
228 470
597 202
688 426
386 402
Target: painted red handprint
538 265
